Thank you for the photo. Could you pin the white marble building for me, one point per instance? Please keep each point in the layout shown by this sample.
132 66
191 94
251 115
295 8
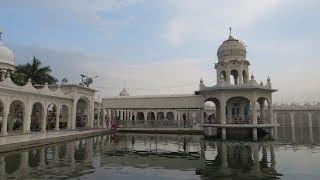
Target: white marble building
240 101
41 108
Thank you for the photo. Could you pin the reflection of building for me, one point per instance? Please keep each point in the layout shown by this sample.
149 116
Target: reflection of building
33 108
242 105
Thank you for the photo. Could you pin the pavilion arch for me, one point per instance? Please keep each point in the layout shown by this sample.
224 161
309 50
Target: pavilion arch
263 105
238 110
16 115
223 75
170 116
234 75
140 116
245 77
12 163
160 116
151 116
37 114
214 104
64 117
51 119
83 112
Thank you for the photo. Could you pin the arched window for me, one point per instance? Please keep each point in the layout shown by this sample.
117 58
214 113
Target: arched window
234 77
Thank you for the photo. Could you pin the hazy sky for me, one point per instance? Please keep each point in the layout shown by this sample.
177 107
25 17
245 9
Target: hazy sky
166 46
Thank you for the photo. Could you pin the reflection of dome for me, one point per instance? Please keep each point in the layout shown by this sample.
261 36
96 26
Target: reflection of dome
6 57
231 48
124 92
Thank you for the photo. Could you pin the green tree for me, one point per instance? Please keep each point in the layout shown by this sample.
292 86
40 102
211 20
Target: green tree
38 74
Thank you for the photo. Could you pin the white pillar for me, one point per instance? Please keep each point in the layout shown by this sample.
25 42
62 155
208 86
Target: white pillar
44 119
57 118
255 133
5 119
74 114
224 133
293 131
28 109
223 112
256 157
254 111
310 126
224 155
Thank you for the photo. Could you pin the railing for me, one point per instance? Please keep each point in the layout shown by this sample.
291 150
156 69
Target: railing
152 124
239 120
263 120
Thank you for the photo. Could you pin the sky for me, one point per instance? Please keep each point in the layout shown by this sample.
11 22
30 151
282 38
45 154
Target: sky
166 46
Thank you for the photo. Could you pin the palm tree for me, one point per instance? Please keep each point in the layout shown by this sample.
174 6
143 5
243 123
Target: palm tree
38 75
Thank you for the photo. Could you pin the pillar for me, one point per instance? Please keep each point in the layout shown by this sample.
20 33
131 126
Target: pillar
310 126
5 119
42 157
224 155
2 167
102 122
255 133
69 118
275 121
57 118
256 157
273 158
56 154
24 162
27 119
74 114
224 133
44 120
293 131
254 111
223 112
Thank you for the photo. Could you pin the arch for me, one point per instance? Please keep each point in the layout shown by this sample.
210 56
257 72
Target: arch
37 114
63 118
13 163
83 112
34 158
245 77
234 75
16 115
262 106
238 110
212 105
170 116
52 110
223 75
140 116
160 116
151 116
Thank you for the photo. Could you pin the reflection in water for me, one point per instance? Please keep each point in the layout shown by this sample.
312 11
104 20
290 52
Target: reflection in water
139 156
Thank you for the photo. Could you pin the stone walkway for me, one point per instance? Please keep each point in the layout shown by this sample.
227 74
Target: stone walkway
16 142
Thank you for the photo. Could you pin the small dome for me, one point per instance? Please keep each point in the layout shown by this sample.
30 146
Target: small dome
230 48
6 57
124 92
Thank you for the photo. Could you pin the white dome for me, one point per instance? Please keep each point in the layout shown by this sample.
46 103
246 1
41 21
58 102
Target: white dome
124 92
6 57
231 47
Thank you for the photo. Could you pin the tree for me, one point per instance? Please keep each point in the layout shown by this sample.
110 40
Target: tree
38 74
